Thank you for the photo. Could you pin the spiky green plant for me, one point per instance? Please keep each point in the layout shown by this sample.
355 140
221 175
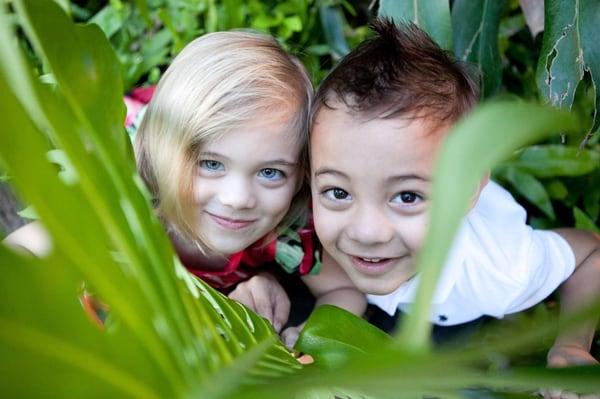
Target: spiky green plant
171 335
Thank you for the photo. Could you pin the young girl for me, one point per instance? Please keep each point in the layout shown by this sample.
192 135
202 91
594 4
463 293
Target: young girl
222 149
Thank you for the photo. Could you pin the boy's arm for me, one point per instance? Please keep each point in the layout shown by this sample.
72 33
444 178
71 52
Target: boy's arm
331 286
572 346
31 238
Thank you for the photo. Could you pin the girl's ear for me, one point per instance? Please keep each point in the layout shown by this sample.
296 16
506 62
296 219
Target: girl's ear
482 183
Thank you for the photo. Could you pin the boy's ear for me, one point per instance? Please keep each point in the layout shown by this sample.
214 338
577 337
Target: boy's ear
482 183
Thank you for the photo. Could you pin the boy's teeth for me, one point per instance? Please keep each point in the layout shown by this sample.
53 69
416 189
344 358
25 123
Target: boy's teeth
372 260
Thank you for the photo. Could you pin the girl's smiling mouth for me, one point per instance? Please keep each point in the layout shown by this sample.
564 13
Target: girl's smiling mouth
229 223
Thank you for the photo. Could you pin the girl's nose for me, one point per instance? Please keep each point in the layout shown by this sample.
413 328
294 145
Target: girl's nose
237 193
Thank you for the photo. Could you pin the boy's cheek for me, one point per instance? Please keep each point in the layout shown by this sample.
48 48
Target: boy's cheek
327 225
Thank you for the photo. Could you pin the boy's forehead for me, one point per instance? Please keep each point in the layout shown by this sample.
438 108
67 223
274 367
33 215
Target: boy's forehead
379 148
332 120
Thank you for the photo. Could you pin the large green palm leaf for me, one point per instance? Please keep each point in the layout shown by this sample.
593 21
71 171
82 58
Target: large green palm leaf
104 232
170 334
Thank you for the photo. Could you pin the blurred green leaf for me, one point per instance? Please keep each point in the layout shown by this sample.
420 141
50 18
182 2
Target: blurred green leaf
88 85
433 16
109 19
28 213
556 189
332 21
528 123
582 221
556 160
176 332
475 27
530 188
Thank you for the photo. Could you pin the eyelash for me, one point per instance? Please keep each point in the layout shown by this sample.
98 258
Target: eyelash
330 194
216 166
280 174
416 198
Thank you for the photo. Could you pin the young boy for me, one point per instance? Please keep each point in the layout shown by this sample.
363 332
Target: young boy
378 121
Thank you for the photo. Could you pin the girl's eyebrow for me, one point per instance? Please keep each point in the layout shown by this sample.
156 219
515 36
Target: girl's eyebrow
277 161
212 154
282 162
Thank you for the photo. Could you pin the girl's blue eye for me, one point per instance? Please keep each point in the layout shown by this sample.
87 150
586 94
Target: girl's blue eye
212 165
337 194
407 198
271 174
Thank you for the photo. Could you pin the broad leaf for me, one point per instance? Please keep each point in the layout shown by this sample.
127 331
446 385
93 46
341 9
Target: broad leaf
475 27
332 335
530 188
433 16
583 221
180 332
556 160
332 21
569 49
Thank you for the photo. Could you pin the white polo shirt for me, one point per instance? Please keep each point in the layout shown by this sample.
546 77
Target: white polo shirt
497 265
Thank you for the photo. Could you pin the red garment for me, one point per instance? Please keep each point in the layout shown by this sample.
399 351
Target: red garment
248 262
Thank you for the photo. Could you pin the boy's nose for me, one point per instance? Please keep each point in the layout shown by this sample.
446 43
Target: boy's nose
370 226
237 193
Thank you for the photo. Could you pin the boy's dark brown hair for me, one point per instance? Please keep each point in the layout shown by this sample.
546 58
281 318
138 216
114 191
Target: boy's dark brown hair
400 72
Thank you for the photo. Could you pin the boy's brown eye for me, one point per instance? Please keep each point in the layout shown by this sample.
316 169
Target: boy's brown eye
338 193
408 197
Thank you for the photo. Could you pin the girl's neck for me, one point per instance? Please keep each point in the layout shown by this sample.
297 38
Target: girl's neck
192 257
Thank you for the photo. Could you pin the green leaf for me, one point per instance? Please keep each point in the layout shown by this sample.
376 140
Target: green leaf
28 213
556 160
333 22
591 195
433 16
177 332
332 335
475 27
556 189
530 188
293 23
91 86
109 19
583 221
569 48
528 123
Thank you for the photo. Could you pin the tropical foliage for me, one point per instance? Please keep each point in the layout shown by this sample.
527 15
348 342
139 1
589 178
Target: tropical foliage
170 335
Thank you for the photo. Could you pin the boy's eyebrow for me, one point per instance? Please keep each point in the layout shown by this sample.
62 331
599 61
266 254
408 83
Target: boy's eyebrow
408 177
325 171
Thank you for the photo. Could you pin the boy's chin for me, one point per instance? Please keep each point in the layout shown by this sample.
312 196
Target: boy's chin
375 286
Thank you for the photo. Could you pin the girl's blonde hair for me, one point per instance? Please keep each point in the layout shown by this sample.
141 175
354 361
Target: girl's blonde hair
219 82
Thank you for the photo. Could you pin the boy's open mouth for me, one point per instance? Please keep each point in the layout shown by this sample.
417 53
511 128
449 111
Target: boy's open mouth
372 265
